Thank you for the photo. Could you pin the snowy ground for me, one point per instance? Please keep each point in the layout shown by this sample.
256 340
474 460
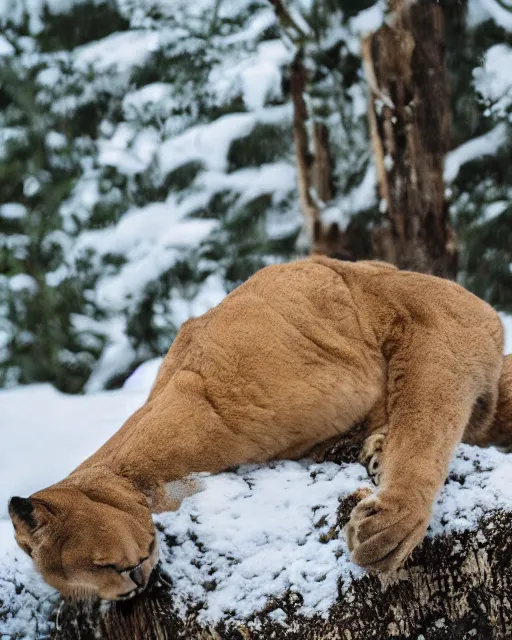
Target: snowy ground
260 528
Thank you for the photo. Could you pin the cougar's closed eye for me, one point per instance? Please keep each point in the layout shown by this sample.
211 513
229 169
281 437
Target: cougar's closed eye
125 569
118 568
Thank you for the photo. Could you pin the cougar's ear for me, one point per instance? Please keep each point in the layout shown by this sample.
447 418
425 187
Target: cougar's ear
27 515
22 514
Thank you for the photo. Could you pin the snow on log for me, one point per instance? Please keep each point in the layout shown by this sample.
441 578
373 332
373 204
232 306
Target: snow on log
260 553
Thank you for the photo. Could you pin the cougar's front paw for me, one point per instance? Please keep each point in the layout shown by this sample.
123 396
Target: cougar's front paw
384 529
371 454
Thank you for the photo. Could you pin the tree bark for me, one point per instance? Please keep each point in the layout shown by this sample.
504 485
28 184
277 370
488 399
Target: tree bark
409 122
456 586
313 159
314 170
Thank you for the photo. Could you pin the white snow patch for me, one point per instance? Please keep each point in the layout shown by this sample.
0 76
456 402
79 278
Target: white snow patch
261 529
31 186
493 80
257 77
115 358
56 140
485 145
209 294
368 21
6 48
210 143
493 210
13 211
46 434
129 151
8 135
299 21
23 282
26 611
255 26
49 77
501 15
261 79
152 239
506 319
361 197
277 179
85 196
142 379
119 51
14 10
136 101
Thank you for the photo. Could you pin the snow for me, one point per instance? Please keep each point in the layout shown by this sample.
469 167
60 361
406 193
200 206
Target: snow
507 323
493 80
115 358
501 15
56 140
137 101
9 135
85 196
369 20
45 434
129 151
364 195
42 422
299 22
493 210
6 48
147 132
141 380
209 294
278 179
12 211
246 536
151 239
118 51
31 186
255 26
23 282
484 145
263 531
210 143
13 10
261 77
264 517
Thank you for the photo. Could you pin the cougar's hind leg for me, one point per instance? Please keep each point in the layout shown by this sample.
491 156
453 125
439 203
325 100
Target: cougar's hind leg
491 421
501 430
431 394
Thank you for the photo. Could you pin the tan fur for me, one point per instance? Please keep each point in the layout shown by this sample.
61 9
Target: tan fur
295 356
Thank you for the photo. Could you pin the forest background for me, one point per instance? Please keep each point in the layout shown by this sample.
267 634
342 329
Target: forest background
154 154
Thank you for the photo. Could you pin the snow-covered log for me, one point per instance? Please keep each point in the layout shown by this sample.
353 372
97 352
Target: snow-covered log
260 553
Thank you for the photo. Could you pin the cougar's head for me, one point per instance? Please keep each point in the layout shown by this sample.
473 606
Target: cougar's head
95 544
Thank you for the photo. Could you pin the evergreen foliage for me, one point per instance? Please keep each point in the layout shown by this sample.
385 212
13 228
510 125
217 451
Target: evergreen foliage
147 166
482 190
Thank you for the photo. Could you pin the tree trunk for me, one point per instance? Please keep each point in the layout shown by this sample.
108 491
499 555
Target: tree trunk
410 121
456 585
314 170
312 153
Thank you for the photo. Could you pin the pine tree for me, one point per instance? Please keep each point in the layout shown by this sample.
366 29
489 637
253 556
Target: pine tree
150 226
481 189
148 165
